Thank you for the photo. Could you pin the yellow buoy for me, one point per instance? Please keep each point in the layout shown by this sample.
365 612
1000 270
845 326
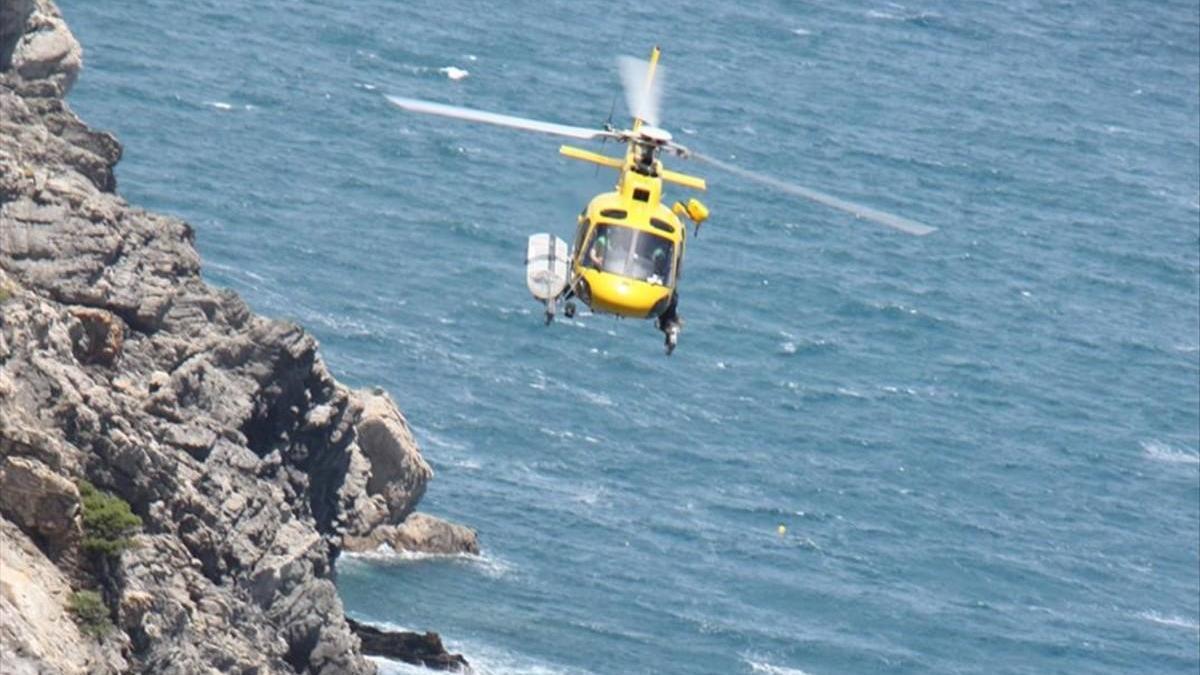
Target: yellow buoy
782 529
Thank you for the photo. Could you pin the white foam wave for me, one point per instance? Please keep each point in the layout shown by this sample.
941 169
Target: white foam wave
484 661
1165 452
386 625
772 669
556 433
906 16
1173 621
389 667
492 567
801 32
219 105
597 399
431 439
454 73
591 497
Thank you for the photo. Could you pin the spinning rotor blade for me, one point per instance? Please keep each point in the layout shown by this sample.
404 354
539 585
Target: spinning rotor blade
858 210
641 97
471 115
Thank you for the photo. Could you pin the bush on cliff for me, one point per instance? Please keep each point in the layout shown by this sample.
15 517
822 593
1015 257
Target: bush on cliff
107 521
90 613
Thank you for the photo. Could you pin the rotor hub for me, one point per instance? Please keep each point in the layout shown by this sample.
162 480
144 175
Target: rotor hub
655 135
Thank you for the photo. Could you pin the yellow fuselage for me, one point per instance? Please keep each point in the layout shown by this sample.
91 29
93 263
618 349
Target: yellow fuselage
637 205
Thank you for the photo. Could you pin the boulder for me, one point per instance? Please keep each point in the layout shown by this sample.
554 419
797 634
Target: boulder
419 533
48 50
398 471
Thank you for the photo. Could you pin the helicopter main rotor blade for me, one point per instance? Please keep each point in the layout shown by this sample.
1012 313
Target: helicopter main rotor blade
641 97
471 115
857 210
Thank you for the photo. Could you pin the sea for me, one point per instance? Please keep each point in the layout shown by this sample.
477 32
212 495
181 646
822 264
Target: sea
976 451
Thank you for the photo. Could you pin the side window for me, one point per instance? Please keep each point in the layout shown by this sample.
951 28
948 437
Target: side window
580 235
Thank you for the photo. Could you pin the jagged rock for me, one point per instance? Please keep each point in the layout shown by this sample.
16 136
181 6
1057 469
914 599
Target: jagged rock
41 502
423 650
419 533
99 337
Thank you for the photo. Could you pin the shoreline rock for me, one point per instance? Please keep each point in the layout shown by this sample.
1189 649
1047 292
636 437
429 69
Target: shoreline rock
415 648
419 533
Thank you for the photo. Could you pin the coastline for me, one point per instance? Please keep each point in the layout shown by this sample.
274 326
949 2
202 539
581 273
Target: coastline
247 464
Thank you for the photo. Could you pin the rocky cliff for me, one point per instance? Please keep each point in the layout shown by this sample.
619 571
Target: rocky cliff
248 465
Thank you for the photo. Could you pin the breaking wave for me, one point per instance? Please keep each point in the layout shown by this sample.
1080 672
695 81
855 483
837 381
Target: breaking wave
1173 621
386 555
1165 452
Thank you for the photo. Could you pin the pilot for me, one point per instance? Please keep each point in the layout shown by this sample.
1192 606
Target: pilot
662 265
597 251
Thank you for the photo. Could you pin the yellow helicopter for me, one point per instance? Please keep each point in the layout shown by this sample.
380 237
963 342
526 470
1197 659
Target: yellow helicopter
628 248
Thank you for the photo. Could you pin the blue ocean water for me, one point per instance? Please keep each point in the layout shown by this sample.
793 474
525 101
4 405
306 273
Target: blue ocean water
984 444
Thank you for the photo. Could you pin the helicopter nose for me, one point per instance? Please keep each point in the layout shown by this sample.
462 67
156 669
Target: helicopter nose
621 295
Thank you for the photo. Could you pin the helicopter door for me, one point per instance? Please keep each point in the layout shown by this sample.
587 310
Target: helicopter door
547 266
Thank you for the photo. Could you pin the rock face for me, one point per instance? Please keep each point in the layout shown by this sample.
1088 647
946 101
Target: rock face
36 635
246 461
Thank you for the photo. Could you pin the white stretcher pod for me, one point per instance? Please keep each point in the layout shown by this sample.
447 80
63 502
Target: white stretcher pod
547 267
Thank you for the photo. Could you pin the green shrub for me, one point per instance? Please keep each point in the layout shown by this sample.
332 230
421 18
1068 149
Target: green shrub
107 521
90 613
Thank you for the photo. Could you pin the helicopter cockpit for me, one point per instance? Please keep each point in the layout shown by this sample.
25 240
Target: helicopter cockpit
632 253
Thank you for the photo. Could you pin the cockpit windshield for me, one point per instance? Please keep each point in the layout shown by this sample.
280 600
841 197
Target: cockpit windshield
631 253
